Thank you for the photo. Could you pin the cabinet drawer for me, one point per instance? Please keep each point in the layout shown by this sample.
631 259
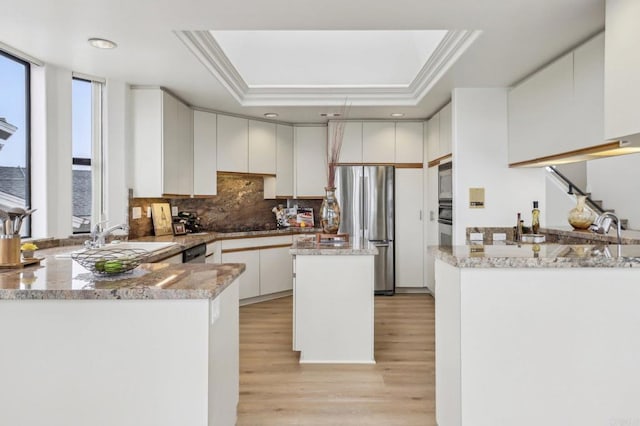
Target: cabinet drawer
255 243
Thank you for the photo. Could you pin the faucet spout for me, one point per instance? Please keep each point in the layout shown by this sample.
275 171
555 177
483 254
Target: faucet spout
99 235
602 224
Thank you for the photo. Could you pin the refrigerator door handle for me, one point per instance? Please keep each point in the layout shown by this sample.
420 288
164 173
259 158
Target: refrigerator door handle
365 205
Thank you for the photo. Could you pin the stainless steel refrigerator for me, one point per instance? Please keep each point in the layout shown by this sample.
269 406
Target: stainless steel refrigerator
366 198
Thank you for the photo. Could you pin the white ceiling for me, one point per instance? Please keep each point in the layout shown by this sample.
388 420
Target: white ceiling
518 37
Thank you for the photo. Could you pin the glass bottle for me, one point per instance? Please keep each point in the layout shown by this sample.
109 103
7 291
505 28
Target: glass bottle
535 218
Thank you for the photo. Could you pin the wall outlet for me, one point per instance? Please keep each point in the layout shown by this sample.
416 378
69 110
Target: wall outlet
149 211
476 236
174 210
499 236
136 212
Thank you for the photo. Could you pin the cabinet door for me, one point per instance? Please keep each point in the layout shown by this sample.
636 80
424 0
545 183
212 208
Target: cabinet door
250 279
275 270
351 150
204 153
184 160
409 141
147 142
310 153
622 62
541 113
433 137
233 144
262 147
170 145
446 127
378 142
284 161
588 96
431 225
408 232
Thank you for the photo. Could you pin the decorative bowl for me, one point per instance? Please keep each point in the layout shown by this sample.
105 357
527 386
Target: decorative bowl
110 261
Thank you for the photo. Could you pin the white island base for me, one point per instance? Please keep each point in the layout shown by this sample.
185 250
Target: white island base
537 346
333 308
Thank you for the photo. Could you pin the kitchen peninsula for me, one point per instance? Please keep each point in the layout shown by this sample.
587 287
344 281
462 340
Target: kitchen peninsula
333 309
537 334
157 346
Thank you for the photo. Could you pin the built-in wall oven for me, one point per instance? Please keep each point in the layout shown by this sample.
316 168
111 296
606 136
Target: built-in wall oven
445 204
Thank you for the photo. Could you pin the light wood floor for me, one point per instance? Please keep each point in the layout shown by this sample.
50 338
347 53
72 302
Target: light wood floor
398 390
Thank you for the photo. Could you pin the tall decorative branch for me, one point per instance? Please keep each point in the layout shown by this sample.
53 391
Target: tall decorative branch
335 144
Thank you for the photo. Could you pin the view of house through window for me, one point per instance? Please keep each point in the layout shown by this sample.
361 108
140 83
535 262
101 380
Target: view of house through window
86 138
14 135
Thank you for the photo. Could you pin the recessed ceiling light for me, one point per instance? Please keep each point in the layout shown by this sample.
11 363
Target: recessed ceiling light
271 115
397 114
330 114
102 43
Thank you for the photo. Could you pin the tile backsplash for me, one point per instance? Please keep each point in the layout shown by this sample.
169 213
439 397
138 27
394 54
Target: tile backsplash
239 206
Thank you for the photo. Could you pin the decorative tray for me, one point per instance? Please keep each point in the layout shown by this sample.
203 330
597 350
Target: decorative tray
25 262
109 261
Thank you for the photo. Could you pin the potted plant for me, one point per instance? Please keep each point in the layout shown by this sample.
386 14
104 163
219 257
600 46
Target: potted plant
28 250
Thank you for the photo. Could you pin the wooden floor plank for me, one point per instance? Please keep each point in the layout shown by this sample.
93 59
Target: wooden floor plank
398 390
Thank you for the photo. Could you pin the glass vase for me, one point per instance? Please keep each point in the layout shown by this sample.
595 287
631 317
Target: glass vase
580 217
330 212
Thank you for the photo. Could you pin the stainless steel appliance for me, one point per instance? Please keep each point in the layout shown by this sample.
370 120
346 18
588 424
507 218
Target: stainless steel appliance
366 198
445 204
195 254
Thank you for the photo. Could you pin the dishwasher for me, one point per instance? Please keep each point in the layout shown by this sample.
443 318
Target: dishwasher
195 254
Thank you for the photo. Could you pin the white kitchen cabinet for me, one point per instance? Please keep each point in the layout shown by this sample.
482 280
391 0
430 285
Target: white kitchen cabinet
622 61
232 144
310 161
351 150
409 141
250 280
214 252
431 225
275 270
378 142
284 161
162 144
433 137
446 127
262 147
204 153
409 227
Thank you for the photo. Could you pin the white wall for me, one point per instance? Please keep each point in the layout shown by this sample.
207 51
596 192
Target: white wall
480 161
616 181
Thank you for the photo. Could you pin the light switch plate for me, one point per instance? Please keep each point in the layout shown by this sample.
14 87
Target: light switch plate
149 211
174 210
136 212
499 236
476 236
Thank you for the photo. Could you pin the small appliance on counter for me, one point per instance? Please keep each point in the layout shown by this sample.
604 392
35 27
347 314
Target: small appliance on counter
191 222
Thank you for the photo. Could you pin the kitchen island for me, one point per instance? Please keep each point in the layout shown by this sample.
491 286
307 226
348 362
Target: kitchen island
333 309
157 346
537 334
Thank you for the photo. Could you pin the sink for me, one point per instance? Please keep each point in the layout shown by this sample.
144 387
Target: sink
144 245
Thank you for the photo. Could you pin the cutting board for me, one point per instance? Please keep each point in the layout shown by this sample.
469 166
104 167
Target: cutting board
161 216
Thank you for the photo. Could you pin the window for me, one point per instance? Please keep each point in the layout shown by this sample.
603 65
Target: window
86 151
14 135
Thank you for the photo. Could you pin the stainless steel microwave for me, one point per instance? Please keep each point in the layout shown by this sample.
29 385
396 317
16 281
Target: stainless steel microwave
445 182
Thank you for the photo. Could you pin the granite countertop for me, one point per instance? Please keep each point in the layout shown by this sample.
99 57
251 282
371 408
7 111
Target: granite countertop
627 236
352 248
63 278
540 256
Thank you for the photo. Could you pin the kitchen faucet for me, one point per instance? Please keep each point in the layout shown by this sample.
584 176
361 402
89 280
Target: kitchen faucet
99 235
602 224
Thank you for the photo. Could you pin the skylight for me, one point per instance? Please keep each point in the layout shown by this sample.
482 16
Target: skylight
328 58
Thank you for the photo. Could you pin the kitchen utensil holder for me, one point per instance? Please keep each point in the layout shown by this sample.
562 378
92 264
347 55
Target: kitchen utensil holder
9 249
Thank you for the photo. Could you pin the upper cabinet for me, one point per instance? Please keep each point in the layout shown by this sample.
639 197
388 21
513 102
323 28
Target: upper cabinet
232 144
310 160
284 161
409 141
622 61
558 109
351 150
262 147
204 153
439 134
162 130
378 142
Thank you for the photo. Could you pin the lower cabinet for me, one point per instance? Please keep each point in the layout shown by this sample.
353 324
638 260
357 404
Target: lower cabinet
250 280
409 227
268 264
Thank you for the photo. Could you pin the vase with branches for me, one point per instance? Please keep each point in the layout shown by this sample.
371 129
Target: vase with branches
330 209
